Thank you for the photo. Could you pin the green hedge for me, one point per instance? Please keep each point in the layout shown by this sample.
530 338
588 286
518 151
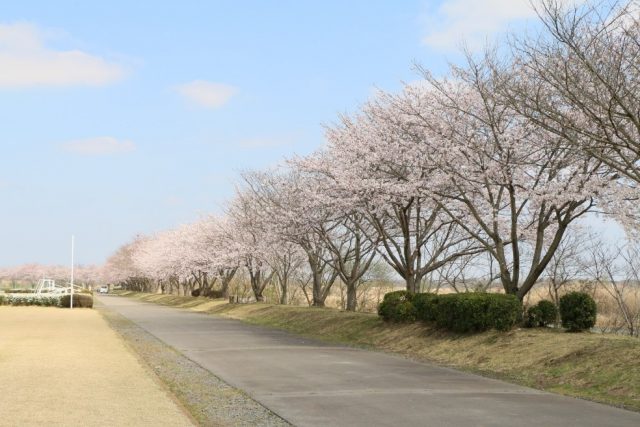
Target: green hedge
477 312
578 311
463 312
25 299
397 307
79 300
426 305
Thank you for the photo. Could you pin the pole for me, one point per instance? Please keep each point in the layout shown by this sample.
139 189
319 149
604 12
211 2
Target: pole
72 248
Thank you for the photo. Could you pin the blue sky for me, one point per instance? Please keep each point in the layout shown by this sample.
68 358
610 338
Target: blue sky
127 117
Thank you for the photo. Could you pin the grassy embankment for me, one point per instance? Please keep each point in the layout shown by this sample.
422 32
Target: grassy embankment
598 367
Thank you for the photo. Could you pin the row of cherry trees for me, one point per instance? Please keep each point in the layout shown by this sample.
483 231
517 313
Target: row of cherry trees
492 163
29 274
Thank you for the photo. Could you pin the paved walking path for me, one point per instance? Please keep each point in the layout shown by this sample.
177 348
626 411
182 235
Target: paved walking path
314 384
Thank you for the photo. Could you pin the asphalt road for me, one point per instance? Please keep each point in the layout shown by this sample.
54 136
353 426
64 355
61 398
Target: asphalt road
314 384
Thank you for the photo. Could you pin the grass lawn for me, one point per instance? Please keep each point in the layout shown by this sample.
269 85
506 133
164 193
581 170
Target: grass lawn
67 367
598 367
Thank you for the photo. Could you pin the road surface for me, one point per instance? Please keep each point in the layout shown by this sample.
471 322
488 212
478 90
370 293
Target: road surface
310 383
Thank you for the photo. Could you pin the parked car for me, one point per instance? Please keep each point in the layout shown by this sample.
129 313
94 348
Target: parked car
103 289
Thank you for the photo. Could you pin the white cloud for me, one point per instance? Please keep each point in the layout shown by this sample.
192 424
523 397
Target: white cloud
475 21
99 146
472 21
26 61
207 94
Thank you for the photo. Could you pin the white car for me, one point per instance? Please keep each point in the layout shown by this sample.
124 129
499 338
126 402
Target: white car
103 290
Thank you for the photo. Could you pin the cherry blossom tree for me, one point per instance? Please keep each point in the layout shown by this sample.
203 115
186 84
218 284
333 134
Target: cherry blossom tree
284 217
222 260
206 254
285 261
293 206
247 237
377 166
85 275
157 258
510 183
580 80
341 228
120 267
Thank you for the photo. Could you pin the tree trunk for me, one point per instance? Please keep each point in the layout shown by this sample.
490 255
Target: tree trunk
255 286
258 283
557 303
226 277
412 284
318 299
352 300
225 288
284 296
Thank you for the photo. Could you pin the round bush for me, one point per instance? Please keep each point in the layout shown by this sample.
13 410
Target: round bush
542 314
548 312
397 307
578 311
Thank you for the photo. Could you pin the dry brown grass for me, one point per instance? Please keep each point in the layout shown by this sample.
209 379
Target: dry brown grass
600 367
67 367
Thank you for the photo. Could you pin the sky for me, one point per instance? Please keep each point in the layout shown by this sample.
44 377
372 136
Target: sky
121 117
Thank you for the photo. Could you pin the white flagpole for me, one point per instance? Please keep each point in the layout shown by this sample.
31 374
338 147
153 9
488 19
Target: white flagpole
71 297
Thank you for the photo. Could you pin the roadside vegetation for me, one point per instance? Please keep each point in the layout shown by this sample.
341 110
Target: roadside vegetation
80 300
595 366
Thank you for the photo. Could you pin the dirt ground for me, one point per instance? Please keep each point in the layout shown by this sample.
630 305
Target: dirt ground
67 367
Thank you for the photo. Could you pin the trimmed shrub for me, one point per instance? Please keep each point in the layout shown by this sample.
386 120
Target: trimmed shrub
397 306
477 312
504 311
206 292
578 311
49 301
426 306
79 300
542 314
20 299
